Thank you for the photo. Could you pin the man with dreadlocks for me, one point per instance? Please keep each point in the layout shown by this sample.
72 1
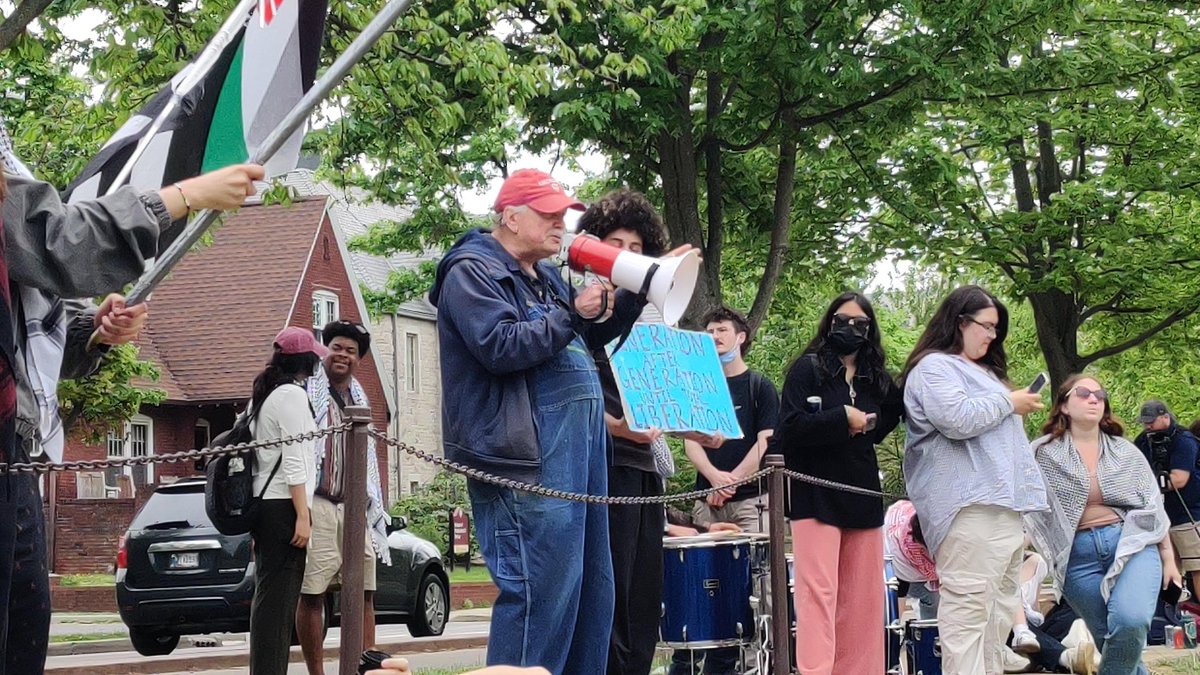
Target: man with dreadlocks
50 250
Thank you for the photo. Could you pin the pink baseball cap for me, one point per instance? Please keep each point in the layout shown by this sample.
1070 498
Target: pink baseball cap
536 189
294 340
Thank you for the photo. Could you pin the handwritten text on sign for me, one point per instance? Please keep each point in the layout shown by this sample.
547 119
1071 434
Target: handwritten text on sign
672 380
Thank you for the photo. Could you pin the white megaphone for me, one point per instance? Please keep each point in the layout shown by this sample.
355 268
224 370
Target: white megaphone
668 283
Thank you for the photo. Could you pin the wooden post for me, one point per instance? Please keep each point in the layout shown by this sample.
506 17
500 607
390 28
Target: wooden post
353 538
780 630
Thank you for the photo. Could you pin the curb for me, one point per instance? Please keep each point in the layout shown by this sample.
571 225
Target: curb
199 662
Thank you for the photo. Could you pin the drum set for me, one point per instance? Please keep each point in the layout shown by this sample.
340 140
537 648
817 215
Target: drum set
716 594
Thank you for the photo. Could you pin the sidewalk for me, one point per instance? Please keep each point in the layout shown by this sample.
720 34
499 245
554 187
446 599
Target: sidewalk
102 632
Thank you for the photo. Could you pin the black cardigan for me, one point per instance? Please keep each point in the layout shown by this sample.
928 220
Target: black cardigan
819 443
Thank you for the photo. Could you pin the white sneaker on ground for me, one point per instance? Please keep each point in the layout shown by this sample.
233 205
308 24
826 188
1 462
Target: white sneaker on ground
1024 641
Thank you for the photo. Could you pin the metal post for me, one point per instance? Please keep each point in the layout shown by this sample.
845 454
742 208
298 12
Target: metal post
780 633
353 538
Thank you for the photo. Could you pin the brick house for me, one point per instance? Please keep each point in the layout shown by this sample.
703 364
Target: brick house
405 342
210 332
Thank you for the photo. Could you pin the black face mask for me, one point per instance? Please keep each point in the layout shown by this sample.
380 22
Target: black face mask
846 339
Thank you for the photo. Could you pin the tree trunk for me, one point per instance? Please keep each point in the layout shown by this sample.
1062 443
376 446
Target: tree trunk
1057 321
681 211
781 227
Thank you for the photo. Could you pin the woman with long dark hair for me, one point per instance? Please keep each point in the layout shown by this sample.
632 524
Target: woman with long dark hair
285 476
838 402
970 472
1105 535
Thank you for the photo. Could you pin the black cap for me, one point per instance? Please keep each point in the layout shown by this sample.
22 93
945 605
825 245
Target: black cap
1152 410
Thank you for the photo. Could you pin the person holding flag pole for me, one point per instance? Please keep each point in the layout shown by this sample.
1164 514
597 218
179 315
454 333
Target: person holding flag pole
93 246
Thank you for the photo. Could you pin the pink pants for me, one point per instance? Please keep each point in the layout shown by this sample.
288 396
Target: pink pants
839 599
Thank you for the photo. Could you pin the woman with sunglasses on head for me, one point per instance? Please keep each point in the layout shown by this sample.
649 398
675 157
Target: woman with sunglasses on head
838 401
1105 535
970 474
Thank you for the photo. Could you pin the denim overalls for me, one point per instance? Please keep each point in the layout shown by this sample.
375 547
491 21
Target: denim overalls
549 557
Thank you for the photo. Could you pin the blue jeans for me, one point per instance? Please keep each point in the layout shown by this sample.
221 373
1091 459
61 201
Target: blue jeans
927 599
549 557
1120 625
24 577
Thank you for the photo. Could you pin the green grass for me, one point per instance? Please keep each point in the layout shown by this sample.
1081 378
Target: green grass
87 580
460 574
87 637
1187 665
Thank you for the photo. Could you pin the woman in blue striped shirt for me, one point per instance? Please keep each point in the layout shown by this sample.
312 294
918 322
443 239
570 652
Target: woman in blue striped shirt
970 473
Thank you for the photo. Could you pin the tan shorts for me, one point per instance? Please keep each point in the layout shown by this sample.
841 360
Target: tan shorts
1187 547
323 567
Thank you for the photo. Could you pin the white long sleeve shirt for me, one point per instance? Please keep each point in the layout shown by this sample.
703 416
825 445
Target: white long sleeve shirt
285 413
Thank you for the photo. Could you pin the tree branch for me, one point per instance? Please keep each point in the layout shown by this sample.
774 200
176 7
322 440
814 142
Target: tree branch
15 23
785 185
1171 319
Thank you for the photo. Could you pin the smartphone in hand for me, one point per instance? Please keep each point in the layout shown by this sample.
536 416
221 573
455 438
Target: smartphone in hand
1038 383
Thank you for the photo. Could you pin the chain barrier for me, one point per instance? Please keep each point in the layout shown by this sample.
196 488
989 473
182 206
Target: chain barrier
486 477
184 456
469 472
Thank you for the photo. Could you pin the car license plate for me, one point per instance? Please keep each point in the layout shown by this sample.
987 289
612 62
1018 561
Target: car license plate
183 561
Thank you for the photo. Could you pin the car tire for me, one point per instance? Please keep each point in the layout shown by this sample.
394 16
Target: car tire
151 644
432 608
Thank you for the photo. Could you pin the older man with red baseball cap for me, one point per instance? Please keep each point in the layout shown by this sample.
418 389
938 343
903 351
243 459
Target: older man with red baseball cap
521 400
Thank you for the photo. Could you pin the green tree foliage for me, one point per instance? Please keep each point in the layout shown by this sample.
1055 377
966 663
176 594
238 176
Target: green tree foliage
1069 165
93 405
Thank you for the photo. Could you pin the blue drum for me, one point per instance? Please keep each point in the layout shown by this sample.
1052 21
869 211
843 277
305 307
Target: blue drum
706 592
891 618
923 647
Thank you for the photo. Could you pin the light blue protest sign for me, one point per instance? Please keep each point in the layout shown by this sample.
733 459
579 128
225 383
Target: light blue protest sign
672 380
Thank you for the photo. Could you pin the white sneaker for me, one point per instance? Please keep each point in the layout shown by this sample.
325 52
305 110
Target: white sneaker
1034 617
1082 659
1024 641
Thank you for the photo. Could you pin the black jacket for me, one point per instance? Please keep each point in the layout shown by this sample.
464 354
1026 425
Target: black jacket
819 443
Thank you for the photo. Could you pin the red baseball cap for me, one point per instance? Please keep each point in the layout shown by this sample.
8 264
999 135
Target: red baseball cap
536 189
294 340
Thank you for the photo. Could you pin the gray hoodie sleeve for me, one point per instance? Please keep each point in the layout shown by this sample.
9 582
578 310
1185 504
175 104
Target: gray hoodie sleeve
78 360
79 250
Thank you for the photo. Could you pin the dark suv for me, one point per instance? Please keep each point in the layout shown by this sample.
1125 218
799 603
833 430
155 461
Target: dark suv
176 575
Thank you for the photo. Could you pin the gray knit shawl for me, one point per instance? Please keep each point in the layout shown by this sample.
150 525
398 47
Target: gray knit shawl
1127 486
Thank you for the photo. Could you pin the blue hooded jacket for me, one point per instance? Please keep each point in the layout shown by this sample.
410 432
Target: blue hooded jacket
490 345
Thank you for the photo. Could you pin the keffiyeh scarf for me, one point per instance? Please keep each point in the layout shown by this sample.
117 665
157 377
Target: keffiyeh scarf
377 517
1128 488
45 335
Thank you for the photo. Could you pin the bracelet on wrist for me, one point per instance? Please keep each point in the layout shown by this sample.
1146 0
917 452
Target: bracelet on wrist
183 196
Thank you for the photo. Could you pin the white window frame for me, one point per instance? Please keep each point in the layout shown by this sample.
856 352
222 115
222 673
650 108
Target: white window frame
122 446
326 307
207 426
412 354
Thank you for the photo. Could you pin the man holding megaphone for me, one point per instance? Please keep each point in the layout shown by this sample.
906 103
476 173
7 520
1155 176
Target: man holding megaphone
521 399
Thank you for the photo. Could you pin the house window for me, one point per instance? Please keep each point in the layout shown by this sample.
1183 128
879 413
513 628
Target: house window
135 440
412 348
325 309
413 487
203 434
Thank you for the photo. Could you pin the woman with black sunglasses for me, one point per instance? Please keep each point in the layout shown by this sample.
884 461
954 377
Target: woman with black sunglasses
838 401
1105 535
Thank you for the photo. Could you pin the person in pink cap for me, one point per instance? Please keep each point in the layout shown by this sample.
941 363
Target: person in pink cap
521 399
285 478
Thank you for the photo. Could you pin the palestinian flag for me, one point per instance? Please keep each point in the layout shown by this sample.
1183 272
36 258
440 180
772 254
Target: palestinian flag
247 91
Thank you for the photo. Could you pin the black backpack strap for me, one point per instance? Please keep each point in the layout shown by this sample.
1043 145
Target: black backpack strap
272 476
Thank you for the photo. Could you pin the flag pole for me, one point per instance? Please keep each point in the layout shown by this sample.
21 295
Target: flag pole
212 51
294 119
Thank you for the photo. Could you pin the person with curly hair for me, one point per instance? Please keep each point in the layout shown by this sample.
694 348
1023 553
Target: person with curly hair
625 219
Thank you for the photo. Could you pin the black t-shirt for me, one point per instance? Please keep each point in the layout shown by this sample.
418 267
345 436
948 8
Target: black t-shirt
756 404
625 452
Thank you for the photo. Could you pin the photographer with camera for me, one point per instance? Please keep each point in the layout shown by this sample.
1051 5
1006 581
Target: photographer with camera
1171 450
